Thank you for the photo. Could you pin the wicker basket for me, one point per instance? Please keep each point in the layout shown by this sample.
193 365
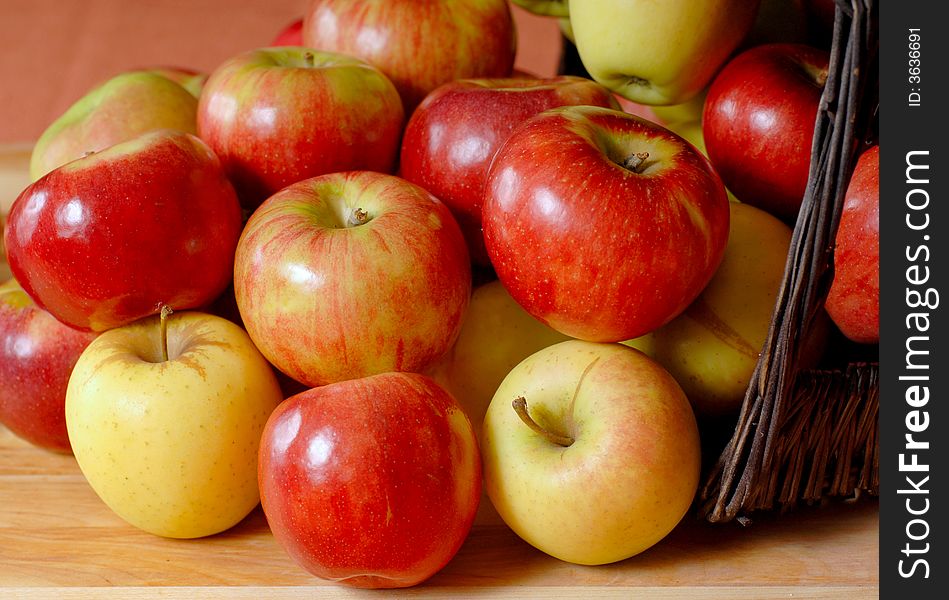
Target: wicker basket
803 435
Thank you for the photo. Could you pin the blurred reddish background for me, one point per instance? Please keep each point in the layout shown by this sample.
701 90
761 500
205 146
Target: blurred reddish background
56 50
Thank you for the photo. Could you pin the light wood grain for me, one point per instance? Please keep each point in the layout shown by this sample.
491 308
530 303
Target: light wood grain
56 533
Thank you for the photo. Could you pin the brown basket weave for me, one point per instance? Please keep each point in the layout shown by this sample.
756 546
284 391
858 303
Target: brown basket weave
808 435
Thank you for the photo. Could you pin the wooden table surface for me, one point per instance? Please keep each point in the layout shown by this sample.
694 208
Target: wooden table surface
56 533
58 540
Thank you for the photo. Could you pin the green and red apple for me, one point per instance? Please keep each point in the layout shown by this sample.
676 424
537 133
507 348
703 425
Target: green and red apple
352 274
119 110
418 44
165 422
275 116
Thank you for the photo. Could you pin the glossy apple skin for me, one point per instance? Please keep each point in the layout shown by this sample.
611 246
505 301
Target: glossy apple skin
759 121
107 239
372 482
327 301
658 53
171 445
275 117
37 355
496 335
854 298
596 251
453 135
118 110
628 477
418 44
291 35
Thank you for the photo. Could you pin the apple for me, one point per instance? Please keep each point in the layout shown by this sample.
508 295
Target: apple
37 354
291 35
106 239
587 212
418 44
854 298
547 8
496 335
165 418
189 79
352 274
712 348
689 111
372 482
453 135
759 122
658 53
591 452
120 109
276 116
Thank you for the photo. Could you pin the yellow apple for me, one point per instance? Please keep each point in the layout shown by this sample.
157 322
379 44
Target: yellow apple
658 52
496 335
590 452
170 444
711 348
689 111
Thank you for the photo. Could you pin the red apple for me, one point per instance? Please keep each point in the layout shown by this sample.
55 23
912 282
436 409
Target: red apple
352 274
452 136
853 302
109 238
291 35
276 116
602 224
418 44
759 122
373 482
37 355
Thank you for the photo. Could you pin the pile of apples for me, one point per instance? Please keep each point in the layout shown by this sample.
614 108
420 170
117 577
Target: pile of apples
258 285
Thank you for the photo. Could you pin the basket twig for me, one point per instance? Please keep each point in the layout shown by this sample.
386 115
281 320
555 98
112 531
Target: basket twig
802 435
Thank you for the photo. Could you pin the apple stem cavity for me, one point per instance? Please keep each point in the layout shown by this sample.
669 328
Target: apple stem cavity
635 162
357 217
163 329
520 407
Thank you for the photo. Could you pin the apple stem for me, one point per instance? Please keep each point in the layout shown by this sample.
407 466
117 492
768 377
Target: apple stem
634 162
357 217
520 407
308 59
163 329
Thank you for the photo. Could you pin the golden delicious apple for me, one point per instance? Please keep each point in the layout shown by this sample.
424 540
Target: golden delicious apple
496 335
711 349
590 451
658 52
170 443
